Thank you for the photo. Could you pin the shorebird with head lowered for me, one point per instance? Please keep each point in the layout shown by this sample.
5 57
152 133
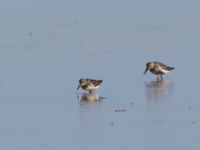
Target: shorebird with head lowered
89 84
158 68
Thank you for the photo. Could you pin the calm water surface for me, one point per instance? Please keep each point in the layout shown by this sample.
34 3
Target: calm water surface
47 46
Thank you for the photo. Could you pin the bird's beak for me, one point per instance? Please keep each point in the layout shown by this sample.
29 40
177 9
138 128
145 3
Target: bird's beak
146 70
78 87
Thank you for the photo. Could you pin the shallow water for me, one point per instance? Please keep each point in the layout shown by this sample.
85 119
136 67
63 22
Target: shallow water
46 49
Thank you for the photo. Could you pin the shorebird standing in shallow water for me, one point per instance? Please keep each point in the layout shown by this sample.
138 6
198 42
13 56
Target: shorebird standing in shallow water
89 84
157 68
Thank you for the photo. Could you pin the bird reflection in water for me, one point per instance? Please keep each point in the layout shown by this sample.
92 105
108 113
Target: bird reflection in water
89 98
158 90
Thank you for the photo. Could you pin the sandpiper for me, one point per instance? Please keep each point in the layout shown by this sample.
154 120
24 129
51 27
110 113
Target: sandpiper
89 84
157 68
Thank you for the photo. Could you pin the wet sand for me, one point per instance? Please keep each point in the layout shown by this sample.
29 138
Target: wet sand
46 49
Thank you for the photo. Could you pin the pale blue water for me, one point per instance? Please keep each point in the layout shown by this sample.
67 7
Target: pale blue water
47 46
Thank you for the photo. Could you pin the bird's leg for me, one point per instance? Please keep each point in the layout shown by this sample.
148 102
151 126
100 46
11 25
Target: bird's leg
161 77
158 78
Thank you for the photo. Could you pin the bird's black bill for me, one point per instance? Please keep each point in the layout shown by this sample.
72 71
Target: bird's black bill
145 71
78 87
